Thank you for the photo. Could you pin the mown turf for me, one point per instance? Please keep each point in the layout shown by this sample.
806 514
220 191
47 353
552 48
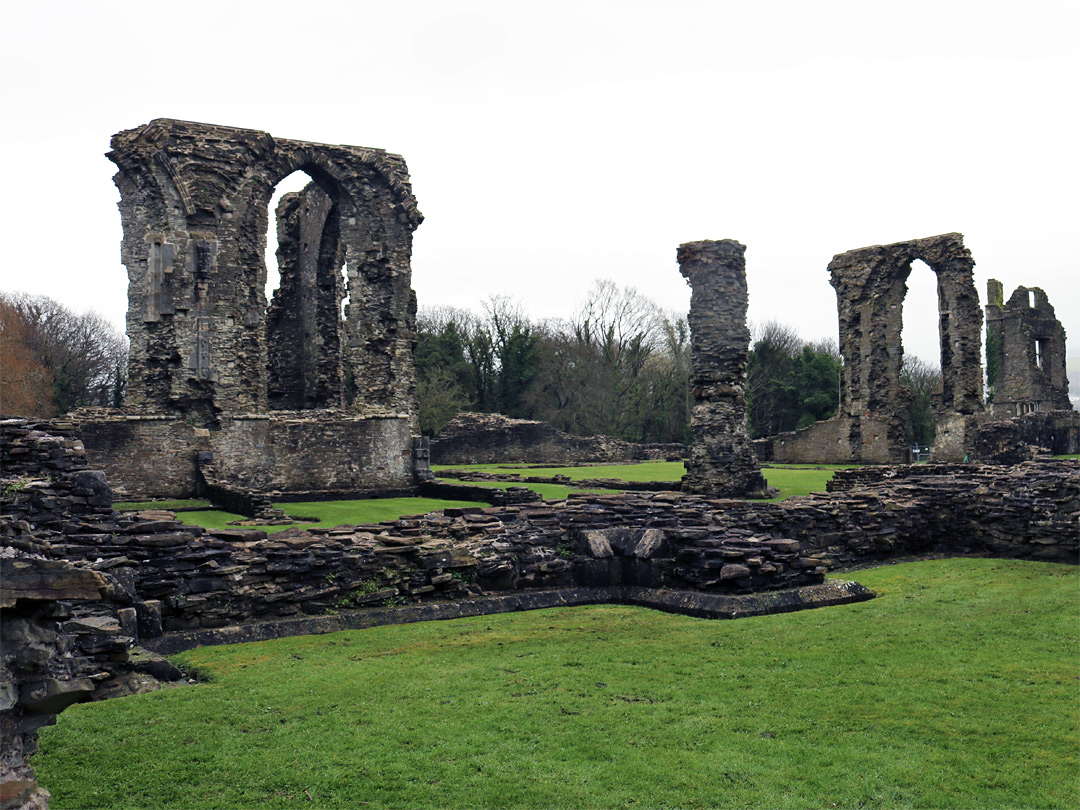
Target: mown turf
956 687
331 513
790 479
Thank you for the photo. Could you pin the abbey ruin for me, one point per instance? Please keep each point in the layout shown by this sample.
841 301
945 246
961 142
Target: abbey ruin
240 398
297 395
1028 348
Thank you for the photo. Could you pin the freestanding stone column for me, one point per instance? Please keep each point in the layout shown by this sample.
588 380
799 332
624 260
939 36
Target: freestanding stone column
722 461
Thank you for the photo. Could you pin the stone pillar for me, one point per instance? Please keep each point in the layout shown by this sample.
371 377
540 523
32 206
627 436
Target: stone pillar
722 460
304 326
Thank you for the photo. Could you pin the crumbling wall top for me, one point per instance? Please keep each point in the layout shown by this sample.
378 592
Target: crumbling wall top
202 161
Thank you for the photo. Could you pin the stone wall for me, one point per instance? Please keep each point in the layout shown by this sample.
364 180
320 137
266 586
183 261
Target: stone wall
491 438
213 368
67 628
721 461
871 284
305 333
185 578
180 586
285 451
1025 353
1010 441
194 203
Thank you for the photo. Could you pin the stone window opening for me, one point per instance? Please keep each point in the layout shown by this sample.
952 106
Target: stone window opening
1040 350
306 294
921 315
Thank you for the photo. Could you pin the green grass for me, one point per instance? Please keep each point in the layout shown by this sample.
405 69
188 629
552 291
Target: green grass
794 480
956 687
330 513
790 479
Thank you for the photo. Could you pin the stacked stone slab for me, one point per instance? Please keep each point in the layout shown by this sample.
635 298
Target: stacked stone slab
721 461
178 578
1025 353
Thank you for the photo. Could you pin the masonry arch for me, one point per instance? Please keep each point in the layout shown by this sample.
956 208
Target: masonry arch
871 285
304 323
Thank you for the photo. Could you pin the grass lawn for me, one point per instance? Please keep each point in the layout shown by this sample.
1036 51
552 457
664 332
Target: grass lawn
956 687
331 513
790 479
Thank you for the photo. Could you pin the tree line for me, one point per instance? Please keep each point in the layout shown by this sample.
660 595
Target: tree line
620 366
53 359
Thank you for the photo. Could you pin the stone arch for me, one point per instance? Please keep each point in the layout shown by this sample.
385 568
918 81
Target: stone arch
870 288
202 192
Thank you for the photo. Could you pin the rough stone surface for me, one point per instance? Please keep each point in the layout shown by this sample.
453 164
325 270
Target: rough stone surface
870 287
194 206
722 462
295 394
1010 441
1025 353
305 333
62 643
491 438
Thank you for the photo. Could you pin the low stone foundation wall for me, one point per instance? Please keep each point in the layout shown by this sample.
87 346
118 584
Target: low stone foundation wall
491 438
155 456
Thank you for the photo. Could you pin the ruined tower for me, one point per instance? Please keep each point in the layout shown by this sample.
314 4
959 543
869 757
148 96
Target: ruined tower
1025 353
871 284
722 462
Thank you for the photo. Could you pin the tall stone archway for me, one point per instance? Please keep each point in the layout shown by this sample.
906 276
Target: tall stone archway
224 391
871 284
194 206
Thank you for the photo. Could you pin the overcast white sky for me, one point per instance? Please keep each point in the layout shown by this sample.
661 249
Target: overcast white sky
552 144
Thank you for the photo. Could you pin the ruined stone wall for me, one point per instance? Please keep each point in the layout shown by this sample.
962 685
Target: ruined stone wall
721 459
491 438
181 578
194 206
304 327
871 284
1025 353
143 456
190 579
67 629
1009 441
285 451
